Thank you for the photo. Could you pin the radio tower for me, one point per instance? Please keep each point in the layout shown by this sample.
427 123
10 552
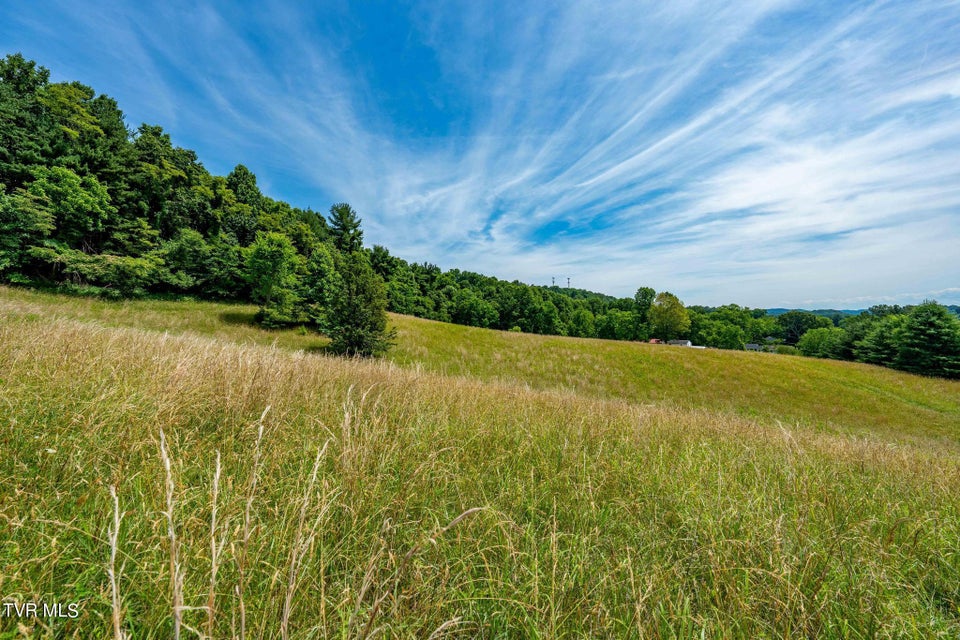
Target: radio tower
568 282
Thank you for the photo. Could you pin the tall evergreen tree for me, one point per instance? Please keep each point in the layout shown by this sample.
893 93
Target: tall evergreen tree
345 228
320 285
24 136
357 317
930 342
881 341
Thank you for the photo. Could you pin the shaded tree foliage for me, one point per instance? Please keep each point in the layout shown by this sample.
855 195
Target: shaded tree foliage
924 339
25 220
793 324
244 186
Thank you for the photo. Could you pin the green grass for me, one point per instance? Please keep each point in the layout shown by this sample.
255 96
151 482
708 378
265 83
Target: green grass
622 490
840 397
829 394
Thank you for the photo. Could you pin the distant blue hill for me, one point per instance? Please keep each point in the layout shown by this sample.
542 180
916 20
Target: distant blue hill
955 309
820 312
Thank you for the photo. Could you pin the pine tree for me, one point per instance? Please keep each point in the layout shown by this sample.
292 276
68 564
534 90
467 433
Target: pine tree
930 342
345 228
321 284
881 342
357 316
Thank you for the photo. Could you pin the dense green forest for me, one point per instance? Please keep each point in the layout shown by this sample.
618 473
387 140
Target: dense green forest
90 206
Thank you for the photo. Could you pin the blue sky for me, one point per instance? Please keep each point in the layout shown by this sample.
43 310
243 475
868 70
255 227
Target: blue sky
769 153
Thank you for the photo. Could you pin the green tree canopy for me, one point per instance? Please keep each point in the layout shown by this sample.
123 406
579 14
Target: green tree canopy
320 286
80 206
272 263
930 342
22 75
823 342
243 183
793 324
582 323
669 319
25 220
643 299
471 309
712 330
881 341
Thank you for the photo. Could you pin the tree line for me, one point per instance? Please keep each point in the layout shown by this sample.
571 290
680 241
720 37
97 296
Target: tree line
922 339
89 205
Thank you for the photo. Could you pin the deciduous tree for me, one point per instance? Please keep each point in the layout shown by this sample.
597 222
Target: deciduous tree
823 342
271 266
669 319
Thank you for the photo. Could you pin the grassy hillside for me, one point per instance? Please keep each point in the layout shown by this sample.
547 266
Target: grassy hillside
828 394
597 489
841 397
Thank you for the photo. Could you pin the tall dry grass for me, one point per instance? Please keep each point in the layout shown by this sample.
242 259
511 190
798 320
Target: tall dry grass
441 505
837 397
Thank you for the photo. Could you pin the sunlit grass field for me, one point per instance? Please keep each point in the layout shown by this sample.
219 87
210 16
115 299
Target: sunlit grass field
844 397
474 484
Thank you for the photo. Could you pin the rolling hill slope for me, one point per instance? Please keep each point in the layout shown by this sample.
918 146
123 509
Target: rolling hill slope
481 485
832 395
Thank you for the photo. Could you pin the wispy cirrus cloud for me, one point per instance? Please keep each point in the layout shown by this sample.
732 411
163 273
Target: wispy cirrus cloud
773 153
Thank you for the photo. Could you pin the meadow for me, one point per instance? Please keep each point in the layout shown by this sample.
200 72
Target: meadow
176 471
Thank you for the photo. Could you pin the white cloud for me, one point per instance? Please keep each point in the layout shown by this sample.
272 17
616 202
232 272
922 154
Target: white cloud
769 153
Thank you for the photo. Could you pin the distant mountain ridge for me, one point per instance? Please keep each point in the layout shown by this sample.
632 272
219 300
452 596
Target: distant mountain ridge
777 311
